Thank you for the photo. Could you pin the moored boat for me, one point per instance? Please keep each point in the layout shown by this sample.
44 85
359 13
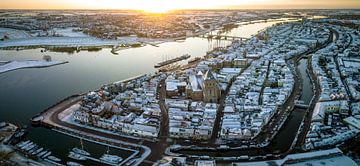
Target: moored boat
110 159
71 163
80 151
53 158
76 156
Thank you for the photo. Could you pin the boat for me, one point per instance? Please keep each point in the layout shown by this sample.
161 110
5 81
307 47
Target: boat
194 60
33 149
71 163
110 159
23 143
167 62
80 151
42 153
30 147
169 67
26 145
46 154
20 133
76 156
37 151
53 158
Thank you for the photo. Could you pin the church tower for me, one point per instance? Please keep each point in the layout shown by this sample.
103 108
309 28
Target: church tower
211 89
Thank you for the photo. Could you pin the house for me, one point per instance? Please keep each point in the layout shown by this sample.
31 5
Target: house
240 62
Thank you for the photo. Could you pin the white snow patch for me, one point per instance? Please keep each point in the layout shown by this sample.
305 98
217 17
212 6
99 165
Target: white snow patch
14 65
13 33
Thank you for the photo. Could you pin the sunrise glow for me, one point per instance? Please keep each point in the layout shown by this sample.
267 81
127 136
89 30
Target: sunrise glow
160 6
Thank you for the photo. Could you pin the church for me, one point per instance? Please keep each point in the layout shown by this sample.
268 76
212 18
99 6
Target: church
203 87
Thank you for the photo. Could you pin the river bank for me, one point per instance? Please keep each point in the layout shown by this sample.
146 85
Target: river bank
15 65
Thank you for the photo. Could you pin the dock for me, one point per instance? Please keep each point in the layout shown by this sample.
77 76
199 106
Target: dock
167 62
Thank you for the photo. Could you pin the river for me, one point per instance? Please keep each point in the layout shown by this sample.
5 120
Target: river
26 92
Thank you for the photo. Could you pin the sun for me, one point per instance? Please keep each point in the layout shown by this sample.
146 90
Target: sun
156 11
157 8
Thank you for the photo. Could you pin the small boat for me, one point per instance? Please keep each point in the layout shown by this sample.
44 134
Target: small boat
71 163
33 149
30 147
80 151
53 158
46 155
76 156
110 159
26 145
194 60
23 143
20 133
42 153
169 67
37 151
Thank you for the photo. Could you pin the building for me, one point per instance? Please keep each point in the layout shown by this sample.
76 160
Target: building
240 62
203 87
212 91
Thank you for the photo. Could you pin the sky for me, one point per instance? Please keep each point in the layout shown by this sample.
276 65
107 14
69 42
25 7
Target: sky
165 5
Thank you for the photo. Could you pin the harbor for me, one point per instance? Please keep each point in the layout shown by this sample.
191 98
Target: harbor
79 156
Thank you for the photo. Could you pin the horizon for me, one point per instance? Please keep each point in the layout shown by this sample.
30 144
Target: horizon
163 6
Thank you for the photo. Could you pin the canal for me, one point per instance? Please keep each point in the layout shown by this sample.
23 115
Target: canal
26 92
307 91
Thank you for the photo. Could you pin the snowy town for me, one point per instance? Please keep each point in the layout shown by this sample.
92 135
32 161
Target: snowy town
287 95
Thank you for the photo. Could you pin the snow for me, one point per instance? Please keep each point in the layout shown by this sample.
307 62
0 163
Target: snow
353 121
14 65
337 160
351 64
76 40
68 32
316 158
13 33
62 41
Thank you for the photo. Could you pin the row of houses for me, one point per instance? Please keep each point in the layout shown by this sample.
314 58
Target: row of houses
134 110
191 119
256 94
336 115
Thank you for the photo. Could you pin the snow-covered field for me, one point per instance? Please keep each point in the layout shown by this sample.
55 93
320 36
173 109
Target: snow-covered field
18 38
68 32
76 41
61 41
13 33
14 65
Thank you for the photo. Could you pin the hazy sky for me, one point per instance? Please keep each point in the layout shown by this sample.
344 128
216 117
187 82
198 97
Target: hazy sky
158 5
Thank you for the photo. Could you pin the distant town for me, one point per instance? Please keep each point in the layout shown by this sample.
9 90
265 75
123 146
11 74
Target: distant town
287 95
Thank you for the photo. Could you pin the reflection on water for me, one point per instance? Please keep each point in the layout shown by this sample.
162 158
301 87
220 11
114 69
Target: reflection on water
307 92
